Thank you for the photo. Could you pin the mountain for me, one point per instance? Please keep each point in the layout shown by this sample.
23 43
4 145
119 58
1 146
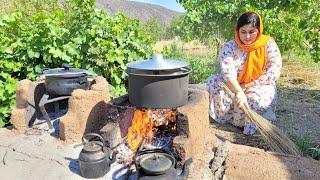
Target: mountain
139 10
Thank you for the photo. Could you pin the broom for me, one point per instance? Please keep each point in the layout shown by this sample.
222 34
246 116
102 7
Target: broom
273 136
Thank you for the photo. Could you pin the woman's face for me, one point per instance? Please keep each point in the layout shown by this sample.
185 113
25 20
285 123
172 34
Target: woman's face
248 34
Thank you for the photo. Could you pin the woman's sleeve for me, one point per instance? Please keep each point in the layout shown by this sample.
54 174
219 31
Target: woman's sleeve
226 60
273 66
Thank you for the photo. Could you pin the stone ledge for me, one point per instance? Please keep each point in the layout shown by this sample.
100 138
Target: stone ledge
244 162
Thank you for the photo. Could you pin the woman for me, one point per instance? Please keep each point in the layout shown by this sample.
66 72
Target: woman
250 64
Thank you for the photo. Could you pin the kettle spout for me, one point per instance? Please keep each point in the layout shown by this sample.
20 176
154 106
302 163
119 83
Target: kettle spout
185 169
113 157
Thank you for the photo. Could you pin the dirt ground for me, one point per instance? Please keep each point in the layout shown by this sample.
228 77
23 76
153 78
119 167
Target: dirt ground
298 109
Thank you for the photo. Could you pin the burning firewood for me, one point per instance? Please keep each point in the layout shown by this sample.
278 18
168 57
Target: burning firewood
141 128
147 123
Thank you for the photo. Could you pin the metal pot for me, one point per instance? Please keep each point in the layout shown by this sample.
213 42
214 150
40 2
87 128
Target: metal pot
158 83
94 158
159 165
62 81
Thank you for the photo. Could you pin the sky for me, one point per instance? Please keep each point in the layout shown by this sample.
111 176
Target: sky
170 4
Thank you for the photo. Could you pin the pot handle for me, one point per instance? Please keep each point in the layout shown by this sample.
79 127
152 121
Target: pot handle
185 169
90 73
66 66
146 151
84 140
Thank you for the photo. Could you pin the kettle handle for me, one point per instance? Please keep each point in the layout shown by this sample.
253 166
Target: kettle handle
84 140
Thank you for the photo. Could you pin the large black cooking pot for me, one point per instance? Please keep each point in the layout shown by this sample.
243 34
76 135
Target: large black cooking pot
62 81
158 83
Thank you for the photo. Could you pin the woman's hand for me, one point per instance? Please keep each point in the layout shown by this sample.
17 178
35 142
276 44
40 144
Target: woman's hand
243 87
241 100
246 86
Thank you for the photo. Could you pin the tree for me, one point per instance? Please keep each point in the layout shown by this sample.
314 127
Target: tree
293 23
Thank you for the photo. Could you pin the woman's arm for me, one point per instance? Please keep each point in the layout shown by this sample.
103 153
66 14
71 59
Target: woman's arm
234 86
229 72
246 86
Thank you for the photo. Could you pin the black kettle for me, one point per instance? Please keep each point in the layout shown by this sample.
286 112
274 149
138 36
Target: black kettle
94 158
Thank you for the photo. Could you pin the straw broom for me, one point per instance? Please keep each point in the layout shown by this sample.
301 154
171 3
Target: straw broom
273 136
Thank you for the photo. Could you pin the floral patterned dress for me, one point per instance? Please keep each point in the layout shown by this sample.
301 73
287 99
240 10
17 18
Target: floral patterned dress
261 97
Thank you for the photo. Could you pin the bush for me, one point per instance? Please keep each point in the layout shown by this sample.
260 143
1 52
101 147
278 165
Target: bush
7 89
83 36
202 67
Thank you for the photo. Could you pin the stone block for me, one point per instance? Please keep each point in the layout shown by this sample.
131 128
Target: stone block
87 111
244 162
26 109
193 122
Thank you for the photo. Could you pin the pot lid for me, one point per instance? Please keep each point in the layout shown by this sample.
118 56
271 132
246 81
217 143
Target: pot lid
156 162
67 71
157 63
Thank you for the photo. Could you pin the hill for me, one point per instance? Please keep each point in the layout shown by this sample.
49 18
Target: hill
139 10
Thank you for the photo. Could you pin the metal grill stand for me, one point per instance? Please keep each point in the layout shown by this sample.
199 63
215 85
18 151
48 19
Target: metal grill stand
45 100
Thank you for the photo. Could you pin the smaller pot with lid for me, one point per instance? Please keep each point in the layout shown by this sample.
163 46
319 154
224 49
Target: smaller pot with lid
95 158
62 81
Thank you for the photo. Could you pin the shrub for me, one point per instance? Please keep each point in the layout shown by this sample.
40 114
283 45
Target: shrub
202 67
82 36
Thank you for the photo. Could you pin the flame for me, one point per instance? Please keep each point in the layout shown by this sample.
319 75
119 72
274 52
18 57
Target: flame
140 129
144 124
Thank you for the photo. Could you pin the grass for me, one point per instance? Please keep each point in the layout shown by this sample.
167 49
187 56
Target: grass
202 65
306 146
301 59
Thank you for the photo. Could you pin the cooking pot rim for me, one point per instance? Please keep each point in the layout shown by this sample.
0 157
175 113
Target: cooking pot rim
157 62
70 73
177 72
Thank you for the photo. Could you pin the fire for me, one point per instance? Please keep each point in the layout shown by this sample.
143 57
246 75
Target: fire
145 123
141 129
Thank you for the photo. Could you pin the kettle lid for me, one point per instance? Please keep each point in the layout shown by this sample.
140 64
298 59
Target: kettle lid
93 146
156 163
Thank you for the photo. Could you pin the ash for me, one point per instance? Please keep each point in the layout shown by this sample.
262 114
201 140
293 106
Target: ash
164 143
125 154
41 123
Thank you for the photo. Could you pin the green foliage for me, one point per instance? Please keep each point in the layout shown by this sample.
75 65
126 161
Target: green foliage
305 145
7 89
171 31
74 32
202 67
294 24
303 142
154 29
314 153
162 32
